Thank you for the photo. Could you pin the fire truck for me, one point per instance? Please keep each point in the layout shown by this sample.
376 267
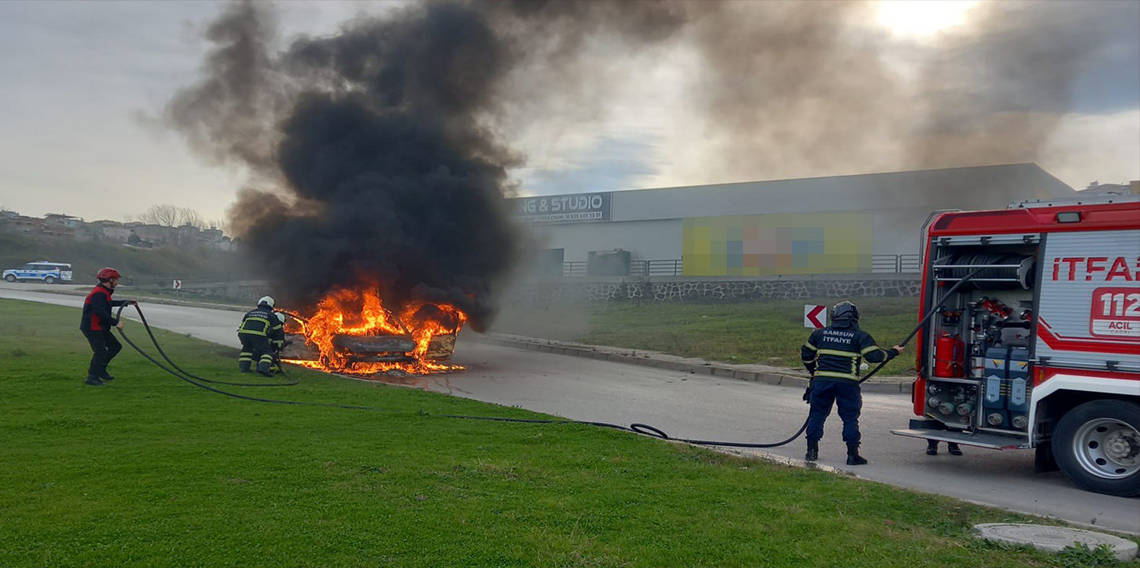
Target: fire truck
1040 347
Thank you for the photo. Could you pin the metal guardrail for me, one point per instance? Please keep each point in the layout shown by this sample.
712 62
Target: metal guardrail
574 268
896 263
656 268
880 264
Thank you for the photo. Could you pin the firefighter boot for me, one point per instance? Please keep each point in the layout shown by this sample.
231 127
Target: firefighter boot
853 457
953 449
932 447
263 369
812 450
243 366
93 381
106 377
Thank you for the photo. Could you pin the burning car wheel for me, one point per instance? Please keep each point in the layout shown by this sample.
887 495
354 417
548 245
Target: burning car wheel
1097 445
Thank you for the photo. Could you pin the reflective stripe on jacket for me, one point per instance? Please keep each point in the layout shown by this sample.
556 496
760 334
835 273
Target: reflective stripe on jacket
837 351
263 322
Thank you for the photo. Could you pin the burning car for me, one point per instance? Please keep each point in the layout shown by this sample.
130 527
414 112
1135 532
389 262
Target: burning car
351 331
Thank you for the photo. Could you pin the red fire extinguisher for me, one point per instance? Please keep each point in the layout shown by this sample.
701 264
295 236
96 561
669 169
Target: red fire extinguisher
949 353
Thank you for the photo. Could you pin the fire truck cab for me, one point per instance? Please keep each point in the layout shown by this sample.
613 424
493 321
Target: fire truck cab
1041 347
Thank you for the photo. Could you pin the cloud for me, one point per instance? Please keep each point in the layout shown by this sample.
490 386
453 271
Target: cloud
1094 147
76 74
613 161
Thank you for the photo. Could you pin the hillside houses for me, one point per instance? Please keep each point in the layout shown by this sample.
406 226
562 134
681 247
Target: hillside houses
133 234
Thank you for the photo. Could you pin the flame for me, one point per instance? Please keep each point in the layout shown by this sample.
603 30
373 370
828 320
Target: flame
361 312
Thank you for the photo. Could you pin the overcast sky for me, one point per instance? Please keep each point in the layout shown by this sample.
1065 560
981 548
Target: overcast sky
82 83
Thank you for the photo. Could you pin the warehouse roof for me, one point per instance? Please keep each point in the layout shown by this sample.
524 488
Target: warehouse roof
921 190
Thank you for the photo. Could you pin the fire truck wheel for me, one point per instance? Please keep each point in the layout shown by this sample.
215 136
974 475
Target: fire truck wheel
1097 445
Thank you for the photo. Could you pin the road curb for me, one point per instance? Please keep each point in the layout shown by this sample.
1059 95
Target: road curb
775 376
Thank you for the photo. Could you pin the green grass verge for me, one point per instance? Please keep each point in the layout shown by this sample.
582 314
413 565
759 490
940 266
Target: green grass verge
769 332
150 471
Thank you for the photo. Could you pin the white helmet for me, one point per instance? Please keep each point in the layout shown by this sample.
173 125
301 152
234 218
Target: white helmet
268 300
280 317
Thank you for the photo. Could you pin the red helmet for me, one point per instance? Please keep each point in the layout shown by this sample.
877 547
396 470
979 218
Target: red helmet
108 273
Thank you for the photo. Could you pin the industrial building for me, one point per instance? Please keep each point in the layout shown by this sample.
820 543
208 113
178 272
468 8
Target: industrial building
854 224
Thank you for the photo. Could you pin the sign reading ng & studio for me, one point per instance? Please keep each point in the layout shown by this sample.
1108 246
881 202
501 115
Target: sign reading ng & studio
574 208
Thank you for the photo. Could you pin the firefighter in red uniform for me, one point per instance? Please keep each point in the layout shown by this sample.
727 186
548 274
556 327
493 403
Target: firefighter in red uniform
97 323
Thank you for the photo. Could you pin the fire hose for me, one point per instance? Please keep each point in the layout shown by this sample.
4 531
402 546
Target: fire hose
637 428
657 433
183 371
199 382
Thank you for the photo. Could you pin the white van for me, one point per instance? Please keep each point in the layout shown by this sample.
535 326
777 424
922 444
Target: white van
48 272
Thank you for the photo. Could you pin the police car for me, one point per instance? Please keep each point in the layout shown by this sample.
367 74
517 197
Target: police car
48 272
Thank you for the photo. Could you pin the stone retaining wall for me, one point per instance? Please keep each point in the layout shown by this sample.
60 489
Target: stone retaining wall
544 293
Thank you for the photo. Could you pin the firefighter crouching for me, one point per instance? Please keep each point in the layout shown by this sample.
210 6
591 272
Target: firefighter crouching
96 325
833 356
259 329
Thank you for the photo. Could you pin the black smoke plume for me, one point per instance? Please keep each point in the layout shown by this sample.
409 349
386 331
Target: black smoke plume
379 144
384 174
380 152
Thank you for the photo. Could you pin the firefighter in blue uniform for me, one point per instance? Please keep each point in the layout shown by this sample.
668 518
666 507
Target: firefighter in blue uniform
833 356
259 329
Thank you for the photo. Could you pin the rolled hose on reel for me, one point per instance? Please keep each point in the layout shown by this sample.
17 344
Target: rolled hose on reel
637 428
1017 270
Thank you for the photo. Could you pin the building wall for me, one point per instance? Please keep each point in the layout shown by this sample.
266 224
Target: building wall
116 234
649 223
832 242
648 240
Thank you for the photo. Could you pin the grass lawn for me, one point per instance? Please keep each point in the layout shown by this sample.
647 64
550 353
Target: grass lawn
769 332
150 471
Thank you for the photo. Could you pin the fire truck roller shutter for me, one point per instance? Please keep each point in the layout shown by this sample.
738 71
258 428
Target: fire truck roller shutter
1019 275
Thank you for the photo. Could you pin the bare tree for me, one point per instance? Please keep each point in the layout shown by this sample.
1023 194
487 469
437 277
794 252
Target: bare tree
165 215
172 216
188 216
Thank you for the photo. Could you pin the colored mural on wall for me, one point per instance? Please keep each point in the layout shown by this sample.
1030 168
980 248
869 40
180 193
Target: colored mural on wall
784 243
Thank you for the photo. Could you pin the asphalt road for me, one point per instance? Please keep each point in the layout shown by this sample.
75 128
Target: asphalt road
701 407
